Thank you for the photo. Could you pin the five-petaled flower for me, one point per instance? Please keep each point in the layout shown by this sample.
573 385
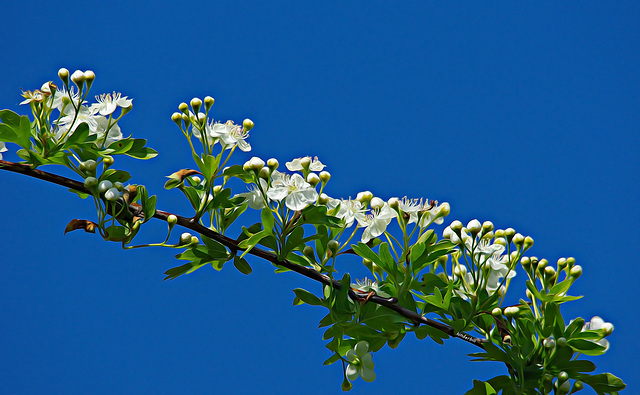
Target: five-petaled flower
107 104
297 193
376 223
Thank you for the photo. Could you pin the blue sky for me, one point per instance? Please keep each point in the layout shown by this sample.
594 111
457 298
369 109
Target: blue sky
523 113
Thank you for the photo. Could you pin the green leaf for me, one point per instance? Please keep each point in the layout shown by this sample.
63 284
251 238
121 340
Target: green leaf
10 118
120 147
586 347
242 265
268 221
307 297
8 135
252 241
115 175
481 388
180 270
364 251
332 359
210 166
116 233
138 150
148 203
317 215
604 383
239 172
78 136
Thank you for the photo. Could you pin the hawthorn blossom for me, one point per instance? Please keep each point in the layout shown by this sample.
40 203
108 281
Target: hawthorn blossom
297 193
71 120
254 197
349 210
376 223
360 363
107 104
296 164
229 135
58 96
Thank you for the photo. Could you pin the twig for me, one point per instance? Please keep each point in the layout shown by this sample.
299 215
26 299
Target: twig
232 244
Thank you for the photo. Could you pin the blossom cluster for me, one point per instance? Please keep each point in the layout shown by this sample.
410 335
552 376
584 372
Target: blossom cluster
69 102
298 191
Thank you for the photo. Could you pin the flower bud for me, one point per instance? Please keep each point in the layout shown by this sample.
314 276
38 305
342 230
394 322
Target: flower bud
196 179
172 220
196 104
377 203
509 233
364 197
488 235
511 311
474 227
254 163
185 238
107 160
577 386
90 165
104 186
247 124
500 233
549 271
308 251
456 227
217 189
90 182
528 242
346 385
325 176
176 117
445 209
518 240
525 262
562 341
313 179
89 77
112 194
186 119
529 294
63 74
333 246
563 376
500 240
184 108
208 103
575 271
118 185
393 202
496 312
607 328
549 343
265 174
459 270
487 226
324 198
194 240
305 162
78 78
273 164
562 263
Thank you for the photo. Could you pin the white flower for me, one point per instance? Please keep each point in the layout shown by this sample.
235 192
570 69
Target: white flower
254 196
3 148
107 104
360 363
85 114
62 92
297 193
349 210
434 214
296 164
114 131
229 135
376 223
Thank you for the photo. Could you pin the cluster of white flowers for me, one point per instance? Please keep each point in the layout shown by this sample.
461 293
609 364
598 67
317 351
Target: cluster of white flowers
487 252
228 134
97 116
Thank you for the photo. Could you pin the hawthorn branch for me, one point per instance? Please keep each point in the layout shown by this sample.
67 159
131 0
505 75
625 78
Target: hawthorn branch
193 224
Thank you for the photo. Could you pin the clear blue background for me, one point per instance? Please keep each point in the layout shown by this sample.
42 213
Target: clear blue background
522 113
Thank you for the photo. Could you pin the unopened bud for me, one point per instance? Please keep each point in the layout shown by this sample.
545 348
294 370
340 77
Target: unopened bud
208 102
90 182
607 328
313 179
377 203
496 312
194 240
89 77
107 160
528 242
393 202
549 343
511 311
575 271
456 227
562 341
333 245
308 251
63 74
518 240
324 198
184 108
305 162
500 233
172 220
445 209
571 261
196 104
185 238
487 226
474 227
364 197
265 174
273 164
247 124
325 176
90 165
78 78
509 233
563 376
104 186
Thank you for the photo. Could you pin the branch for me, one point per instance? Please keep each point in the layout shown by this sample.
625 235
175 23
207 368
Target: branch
232 244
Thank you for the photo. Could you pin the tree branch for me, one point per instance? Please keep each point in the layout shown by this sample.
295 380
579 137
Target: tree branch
232 244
